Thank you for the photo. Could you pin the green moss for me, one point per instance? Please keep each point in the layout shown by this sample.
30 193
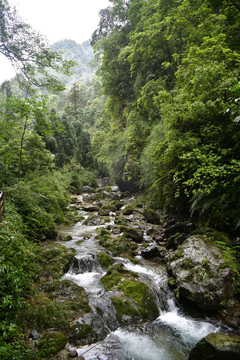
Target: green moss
114 276
136 297
106 209
187 263
105 260
172 282
120 245
201 274
81 331
118 204
124 308
128 210
54 260
205 265
52 343
143 299
120 220
82 334
133 260
78 242
133 233
60 303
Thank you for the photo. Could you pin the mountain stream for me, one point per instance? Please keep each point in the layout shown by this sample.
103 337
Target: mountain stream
169 337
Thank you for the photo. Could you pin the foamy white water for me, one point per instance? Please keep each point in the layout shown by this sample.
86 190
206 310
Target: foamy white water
140 347
191 331
90 281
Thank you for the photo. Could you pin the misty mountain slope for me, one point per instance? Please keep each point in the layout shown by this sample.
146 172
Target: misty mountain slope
82 55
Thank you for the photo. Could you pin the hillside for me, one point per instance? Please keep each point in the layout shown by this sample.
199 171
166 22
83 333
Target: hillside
81 54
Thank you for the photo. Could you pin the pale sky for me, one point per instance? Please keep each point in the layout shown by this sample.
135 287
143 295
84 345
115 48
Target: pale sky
57 20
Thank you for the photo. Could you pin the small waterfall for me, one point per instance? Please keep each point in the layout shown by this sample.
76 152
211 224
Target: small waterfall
155 278
84 264
86 271
169 337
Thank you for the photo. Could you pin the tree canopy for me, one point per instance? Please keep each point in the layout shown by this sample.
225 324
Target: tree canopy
170 70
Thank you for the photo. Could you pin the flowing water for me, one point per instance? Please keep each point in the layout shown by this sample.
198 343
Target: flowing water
169 337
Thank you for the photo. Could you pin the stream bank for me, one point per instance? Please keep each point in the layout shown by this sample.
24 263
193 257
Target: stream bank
113 284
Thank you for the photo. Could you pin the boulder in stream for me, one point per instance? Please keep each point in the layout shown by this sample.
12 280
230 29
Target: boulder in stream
217 347
132 299
201 274
151 216
135 234
150 252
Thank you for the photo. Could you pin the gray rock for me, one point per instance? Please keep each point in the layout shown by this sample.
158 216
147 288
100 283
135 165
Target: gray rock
34 334
201 274
93 220
151 216
180 227
150 252
73 353
135 234
175 240
87 189
217 347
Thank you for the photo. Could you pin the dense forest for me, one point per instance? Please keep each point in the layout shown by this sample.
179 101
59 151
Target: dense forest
160 117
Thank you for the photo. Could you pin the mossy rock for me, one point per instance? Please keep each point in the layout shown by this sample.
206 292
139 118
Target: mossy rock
56 307
151 216
54 260
217 347
187 263
106 209
135 234
117 204
141 296
114 275
120 220
94 220
105 260
176 240
82 333
172 283
52 343
135 300
120 245
128 210
125 311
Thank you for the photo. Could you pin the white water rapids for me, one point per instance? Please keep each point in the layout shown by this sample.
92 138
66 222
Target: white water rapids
169 337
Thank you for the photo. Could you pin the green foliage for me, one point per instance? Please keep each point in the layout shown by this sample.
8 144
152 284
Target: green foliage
18 269
28 50
231 259
175 122
40 202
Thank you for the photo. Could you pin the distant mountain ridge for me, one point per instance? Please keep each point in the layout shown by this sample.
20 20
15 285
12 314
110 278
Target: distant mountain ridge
81 54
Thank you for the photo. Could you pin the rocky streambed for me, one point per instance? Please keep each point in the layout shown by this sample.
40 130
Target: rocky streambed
124 282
